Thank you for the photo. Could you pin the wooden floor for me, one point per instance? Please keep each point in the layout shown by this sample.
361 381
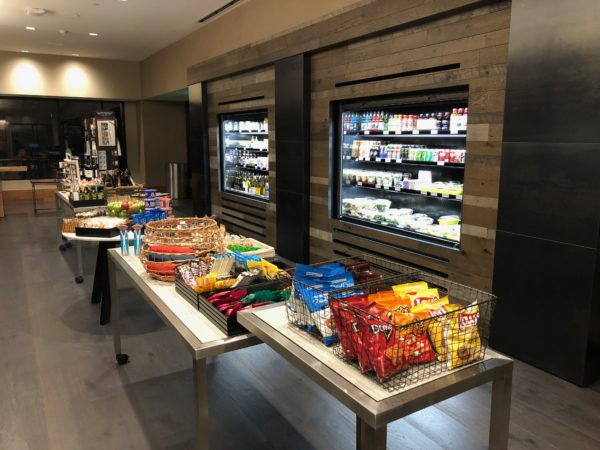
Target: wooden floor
60 388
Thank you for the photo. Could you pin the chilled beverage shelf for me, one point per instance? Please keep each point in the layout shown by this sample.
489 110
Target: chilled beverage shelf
409 134
245 155
247 194
401 168
394 190
406 162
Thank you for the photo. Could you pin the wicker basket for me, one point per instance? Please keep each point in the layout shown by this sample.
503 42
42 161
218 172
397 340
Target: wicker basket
69 224
203 235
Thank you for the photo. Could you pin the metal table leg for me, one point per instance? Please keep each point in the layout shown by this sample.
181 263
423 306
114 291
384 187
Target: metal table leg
79 277
500 415
369 438
59 217
201 390
115 317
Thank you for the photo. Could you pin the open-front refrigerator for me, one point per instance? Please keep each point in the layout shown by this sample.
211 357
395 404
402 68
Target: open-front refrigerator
400 165
244 154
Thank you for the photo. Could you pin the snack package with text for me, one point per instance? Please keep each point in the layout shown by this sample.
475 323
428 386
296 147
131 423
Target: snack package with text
463 343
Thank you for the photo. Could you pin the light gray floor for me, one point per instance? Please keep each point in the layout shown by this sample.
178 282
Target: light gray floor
61 389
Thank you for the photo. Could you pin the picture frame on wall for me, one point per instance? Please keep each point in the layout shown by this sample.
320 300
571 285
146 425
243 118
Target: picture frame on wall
106 132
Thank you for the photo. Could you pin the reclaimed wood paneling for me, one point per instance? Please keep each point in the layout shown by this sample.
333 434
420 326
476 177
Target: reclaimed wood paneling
368 18
477 39
239 214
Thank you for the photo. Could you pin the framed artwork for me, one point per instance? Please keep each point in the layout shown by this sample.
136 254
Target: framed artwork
107 137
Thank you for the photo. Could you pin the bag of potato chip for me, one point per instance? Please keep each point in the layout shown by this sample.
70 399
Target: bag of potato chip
463 344
400 290
416 298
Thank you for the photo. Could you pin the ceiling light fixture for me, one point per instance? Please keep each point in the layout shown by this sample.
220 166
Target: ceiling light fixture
93 34
74 54
24 51
30 28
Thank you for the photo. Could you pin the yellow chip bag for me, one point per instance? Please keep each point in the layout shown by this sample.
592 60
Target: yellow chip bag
430 306
423 296
462 339
400 290
437 328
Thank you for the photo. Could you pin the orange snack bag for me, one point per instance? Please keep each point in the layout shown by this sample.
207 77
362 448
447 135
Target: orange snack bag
400 290
387 301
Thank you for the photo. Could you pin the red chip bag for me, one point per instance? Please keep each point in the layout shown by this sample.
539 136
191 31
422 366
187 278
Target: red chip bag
383 344
346 315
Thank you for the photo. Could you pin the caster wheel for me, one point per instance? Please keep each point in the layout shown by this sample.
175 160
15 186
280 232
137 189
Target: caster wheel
78 280
122 358
62 247
69 245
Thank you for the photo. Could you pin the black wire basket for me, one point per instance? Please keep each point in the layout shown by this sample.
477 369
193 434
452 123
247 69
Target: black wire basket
308 305
398 347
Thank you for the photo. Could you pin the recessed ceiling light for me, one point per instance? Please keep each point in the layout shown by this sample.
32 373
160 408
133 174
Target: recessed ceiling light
30 28
74 54
93 34
24 51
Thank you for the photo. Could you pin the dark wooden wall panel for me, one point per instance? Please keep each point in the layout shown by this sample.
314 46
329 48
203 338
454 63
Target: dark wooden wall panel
477 39
239 214
365 19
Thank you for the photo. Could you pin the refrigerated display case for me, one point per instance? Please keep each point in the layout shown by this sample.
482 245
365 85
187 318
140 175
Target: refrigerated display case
244 154
400 166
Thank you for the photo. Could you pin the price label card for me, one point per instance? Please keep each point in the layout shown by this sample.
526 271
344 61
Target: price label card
424 192
415 132
378 186
445 196
434 131
440 163
367 132
359 183
386 132
459 197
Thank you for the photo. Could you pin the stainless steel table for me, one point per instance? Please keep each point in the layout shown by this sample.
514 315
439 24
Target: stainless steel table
200 336
374 406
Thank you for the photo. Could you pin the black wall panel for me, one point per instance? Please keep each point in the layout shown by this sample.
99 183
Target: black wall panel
292 109
546 259
198 144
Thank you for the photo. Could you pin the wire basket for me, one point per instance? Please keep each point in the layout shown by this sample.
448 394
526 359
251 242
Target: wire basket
308 306
399 348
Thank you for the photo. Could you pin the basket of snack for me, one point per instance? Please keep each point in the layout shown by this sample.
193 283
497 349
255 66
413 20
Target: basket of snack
248 246
223 284
406 329
308 306
170 242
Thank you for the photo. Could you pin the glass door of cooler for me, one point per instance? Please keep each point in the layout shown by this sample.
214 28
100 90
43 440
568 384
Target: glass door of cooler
244 154
402 168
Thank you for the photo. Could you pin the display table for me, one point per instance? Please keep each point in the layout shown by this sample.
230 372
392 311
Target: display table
200 336
65 209
100 291
373 405
6 169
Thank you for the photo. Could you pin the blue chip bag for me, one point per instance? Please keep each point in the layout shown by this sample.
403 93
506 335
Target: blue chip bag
324 271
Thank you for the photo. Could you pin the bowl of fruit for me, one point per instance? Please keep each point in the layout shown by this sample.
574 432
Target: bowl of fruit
125 209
